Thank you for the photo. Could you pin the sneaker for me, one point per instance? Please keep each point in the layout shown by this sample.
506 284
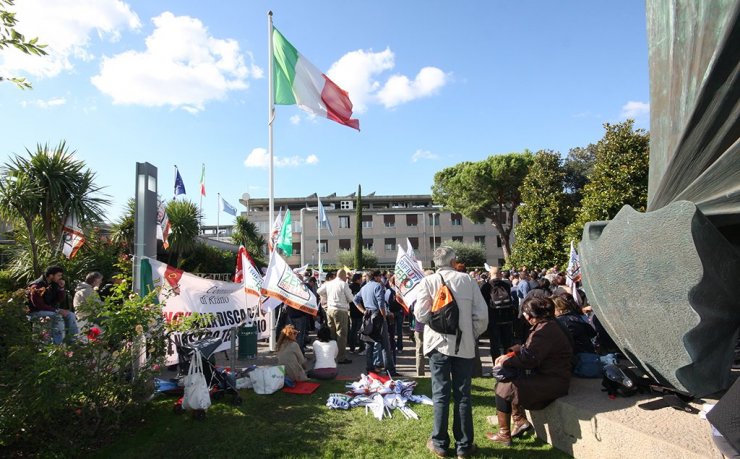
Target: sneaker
362 352
436 450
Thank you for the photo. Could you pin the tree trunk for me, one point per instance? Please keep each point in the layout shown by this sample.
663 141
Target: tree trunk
504 235
34 249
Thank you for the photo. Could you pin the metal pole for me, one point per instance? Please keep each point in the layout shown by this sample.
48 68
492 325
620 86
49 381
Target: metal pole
318 224
270 146
303 247
218 214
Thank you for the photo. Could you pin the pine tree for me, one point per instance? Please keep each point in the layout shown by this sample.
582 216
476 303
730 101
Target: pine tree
542 214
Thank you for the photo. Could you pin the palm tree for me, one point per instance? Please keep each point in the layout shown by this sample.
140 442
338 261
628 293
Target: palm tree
123 230
184 217
246 233
19 199
67 188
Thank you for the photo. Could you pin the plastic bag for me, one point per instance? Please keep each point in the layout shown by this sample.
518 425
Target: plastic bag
196 396
267 380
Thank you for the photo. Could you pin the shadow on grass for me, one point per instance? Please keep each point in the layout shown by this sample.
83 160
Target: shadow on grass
288 425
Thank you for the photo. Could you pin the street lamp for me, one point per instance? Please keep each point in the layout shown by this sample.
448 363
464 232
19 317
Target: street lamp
434 232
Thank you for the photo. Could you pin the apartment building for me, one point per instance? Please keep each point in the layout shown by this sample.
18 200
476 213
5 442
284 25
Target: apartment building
387 221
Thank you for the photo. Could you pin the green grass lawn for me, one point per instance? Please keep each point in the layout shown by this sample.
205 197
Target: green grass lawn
287 425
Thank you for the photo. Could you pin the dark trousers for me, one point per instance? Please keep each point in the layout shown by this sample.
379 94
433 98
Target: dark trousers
354 340
501 337
383 352
300 324
451 373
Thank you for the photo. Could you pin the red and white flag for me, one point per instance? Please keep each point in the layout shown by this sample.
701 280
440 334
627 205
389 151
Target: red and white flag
72 237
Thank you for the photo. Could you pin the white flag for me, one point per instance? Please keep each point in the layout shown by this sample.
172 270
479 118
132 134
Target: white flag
573 273
275 233
283 284
163 224
323 219
408 275
72 237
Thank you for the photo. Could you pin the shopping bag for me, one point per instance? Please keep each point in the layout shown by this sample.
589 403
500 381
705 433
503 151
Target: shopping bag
196 389
267 380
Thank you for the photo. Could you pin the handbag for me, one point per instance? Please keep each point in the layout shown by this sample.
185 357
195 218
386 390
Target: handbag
197 396
267 380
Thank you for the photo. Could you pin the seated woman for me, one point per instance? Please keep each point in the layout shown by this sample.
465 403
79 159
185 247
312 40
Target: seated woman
586 363
325 350
542 365
290 355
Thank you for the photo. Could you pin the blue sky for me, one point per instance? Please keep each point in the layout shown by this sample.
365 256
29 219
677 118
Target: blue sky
434 83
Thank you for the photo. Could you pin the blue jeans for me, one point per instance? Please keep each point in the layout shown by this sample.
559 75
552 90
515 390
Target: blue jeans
354 340
451 373
59 324
383 351
399 331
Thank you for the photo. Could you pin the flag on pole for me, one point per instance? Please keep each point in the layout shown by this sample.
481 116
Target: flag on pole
72 237
298 82
163 224
275 233
179 185
285 240
323 219
203 180
246 273
282 284
573 273
408 275
224 206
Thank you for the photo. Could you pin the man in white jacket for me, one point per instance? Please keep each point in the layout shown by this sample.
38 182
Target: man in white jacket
452 368
338 297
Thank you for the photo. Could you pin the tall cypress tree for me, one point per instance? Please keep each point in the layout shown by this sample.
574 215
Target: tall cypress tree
358 229
542 214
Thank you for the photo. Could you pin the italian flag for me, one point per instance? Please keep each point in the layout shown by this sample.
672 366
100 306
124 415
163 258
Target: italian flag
203 180
298 82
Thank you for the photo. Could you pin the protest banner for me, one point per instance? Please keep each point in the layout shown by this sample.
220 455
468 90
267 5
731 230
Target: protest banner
408 275
283 284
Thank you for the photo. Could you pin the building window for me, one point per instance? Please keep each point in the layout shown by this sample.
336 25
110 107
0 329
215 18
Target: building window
456 219
457 238
480 222
323 246
389 221
297 226
345 244
498 241
262 227
414 243
435 242
367 221
346 205
344 221
296 248
367 244
480 240
390 244
434 219
412 220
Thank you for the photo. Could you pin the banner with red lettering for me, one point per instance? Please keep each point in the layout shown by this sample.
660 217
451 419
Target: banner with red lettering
184 294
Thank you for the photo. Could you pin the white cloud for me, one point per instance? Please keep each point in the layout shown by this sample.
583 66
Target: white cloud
40 103
65 26
423 155
399 89
183 67
258 157
358 73
295 119
634 109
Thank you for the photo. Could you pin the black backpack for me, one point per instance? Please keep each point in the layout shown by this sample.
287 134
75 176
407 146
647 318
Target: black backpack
446 314
500 296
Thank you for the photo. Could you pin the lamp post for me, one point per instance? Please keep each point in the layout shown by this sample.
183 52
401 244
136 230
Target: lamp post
434 232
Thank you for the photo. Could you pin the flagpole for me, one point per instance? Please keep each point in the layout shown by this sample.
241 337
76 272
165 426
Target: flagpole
218 213
318 225
200 207
270 119
174 192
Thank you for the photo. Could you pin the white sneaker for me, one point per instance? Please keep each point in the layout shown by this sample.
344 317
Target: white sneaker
362 352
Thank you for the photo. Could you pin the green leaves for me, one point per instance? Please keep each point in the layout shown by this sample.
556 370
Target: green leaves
9 36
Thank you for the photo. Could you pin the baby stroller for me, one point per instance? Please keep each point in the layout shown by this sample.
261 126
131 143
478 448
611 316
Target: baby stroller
220 380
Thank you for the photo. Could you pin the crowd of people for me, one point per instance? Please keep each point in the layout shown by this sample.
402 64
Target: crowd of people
539 336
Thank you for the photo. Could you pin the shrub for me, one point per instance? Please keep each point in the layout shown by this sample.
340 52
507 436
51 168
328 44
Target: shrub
62 400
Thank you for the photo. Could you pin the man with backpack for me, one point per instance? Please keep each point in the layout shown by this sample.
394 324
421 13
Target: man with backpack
501 313
452 307
46 296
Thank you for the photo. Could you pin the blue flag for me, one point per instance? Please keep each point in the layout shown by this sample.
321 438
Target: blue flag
179 185
224 206
323 219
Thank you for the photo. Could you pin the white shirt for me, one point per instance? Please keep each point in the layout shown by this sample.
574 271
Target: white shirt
325 353
337 292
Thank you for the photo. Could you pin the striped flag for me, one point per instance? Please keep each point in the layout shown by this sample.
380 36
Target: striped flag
203 180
